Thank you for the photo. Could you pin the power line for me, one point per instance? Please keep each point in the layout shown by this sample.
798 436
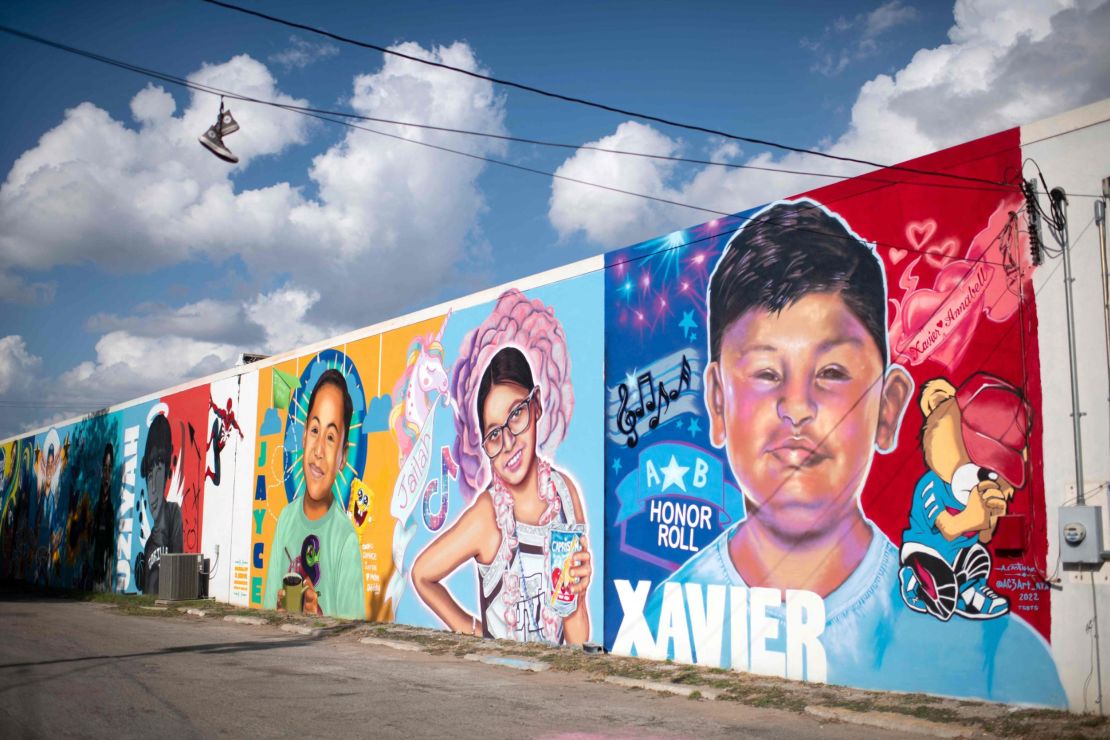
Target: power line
326 116
200 87
594 104
621 191
321 112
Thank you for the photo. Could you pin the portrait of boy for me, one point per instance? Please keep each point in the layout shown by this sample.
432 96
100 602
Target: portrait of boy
314 537
800 393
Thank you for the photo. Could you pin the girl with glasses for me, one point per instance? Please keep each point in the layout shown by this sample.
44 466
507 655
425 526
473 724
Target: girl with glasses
506 529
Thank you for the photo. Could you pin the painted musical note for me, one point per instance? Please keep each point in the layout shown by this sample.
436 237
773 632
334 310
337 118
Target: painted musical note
627 418
664 406
683 378
648 404
669 388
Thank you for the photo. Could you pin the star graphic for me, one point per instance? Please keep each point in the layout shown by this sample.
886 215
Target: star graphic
693 336
687 324
674 475
693 427
617 466
678 423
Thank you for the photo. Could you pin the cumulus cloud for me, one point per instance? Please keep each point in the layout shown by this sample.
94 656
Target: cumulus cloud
206 320
1004 64
301 53
607 216
157 347
16 364
394 219
391 220
94 190
853 39
390 223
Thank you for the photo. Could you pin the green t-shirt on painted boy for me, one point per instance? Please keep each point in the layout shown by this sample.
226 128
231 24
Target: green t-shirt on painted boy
339 586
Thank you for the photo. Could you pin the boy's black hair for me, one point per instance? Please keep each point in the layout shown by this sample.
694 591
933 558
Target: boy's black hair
332 376
509 365
159 445
786 252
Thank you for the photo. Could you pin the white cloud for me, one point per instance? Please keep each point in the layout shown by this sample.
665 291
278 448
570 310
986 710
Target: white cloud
14 289
394 219
281 316
885 17
129 365
301 53
206 320
160 346
1005 64
834 52
95 190
610 217
157 348
16 364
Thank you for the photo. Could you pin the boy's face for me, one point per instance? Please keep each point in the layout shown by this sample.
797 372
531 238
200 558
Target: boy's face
156 487
799 401
325 441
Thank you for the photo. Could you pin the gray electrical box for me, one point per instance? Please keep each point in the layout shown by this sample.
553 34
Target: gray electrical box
1081 536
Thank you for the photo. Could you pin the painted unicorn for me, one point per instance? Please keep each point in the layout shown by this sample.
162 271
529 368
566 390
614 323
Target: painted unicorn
424 376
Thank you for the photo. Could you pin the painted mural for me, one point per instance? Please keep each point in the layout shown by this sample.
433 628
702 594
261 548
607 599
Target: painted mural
443 474
821 447
96 504
802 441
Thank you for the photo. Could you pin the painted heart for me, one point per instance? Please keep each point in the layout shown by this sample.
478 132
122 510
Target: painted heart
920 232
941 255
896 255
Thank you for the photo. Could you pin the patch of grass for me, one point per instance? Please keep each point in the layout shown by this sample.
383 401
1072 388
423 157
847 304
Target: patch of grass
695 694
685 677
864 705
119 599
932 713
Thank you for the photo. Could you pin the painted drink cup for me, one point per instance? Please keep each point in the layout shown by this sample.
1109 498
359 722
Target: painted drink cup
562 544
293 584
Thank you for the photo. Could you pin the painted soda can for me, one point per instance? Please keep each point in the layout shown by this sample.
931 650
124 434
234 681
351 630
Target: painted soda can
562 544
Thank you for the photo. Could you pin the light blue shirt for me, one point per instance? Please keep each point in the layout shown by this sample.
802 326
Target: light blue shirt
872 640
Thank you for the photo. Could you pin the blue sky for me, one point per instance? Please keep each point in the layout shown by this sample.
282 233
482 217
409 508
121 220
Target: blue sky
131 260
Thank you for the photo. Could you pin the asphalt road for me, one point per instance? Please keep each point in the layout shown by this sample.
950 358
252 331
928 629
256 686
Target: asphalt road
80 669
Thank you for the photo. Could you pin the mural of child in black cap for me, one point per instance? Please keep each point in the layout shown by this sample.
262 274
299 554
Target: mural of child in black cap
165 515
975 441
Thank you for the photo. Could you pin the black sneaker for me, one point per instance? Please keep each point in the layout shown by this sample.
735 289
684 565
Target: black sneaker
214 142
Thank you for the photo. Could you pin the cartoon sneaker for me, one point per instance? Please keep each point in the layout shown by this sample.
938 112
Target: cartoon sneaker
909 589
931 590
978 601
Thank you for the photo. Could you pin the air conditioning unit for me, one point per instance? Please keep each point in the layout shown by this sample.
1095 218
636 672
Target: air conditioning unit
178 576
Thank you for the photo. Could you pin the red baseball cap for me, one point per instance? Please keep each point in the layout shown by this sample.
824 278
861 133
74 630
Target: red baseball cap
995 424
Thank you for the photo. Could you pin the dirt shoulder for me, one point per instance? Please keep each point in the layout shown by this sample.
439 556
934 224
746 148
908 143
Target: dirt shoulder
913 713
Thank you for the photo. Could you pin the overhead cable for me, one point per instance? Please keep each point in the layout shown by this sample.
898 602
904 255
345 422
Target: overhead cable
597 105
192 85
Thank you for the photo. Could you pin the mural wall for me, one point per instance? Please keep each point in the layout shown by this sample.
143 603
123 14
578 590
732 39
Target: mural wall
445 474
822 455
802 441
96 504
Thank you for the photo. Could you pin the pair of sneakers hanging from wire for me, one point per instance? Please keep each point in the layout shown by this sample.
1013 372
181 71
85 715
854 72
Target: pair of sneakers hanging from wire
213 138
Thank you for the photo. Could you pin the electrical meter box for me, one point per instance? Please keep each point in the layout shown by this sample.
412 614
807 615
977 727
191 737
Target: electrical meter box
1081 536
